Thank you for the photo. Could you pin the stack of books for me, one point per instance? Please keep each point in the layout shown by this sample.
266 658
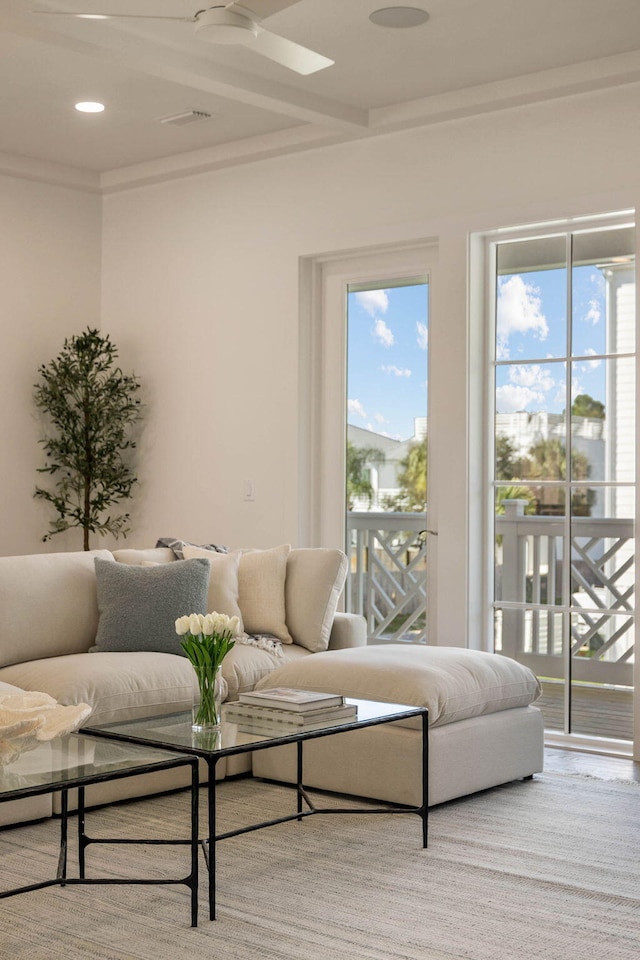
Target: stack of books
285 709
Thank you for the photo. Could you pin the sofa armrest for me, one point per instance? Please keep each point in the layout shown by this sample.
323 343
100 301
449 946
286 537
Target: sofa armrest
348 630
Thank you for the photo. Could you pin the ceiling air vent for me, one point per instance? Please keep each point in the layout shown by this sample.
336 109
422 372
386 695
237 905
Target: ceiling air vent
188 116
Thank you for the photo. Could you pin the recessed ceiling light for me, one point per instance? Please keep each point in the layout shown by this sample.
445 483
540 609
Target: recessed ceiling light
89 106
399 17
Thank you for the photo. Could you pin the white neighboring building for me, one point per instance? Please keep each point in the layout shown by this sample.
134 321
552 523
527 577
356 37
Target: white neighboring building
383 475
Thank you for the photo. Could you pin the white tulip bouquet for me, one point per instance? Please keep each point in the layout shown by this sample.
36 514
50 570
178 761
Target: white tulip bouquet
206 640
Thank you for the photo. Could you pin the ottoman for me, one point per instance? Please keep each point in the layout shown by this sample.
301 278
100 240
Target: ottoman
483 729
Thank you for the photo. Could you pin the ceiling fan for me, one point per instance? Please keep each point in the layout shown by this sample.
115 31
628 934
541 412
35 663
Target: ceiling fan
234 24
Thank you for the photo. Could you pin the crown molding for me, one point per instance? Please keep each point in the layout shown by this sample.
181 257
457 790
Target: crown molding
55 174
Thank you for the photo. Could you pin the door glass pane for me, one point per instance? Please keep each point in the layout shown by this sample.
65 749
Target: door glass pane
529 528
531 299
603 420
386 457
603 294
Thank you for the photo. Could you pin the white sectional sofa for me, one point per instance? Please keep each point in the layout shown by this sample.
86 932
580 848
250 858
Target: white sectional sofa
98 628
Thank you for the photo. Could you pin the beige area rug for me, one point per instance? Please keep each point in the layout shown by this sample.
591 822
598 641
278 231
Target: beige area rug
547 869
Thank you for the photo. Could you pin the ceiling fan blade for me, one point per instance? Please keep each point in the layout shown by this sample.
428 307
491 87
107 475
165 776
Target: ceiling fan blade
261 9
107 16
289 54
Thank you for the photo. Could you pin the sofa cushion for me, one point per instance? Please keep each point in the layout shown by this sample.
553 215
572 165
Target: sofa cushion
223 581
246 664
315 578
452 682
118 686
57 593
261 585
8 688
139 605
137 557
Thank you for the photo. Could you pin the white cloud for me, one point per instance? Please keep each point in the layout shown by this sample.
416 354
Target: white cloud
529 384
510 397
591 364
532 375
382 333
423 335
355 409
396 371
373 301
593 314
519 311
379 418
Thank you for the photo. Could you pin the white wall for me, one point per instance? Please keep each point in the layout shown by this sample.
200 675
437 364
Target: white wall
49 289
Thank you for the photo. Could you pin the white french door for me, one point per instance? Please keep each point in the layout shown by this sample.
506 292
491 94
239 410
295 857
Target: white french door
350 409
563 411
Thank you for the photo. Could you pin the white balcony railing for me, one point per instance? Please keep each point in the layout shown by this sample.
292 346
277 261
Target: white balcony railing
387 582
533 595
596 593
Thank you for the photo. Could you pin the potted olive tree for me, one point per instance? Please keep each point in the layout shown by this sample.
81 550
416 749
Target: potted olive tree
90 407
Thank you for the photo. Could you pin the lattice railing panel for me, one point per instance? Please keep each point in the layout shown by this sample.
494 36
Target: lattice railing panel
597 593
387 584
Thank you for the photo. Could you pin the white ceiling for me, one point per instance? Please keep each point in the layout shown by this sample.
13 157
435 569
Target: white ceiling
471 56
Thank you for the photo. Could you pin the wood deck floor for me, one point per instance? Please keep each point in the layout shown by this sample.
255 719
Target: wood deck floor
595 710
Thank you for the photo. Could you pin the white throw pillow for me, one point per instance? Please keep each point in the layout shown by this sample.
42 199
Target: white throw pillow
315 578
223 584
261 585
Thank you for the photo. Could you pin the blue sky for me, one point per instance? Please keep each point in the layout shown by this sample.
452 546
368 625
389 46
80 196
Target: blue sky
387 347
532 328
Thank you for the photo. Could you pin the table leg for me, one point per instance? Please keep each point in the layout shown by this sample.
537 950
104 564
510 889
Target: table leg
194 843
211 762
82 838
425 777
299 779
64 824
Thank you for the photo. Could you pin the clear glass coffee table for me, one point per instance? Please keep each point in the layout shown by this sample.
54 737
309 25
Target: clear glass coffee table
174 732
78 761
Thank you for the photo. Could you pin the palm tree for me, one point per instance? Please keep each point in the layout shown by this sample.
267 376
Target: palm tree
547 460
412 481
358 475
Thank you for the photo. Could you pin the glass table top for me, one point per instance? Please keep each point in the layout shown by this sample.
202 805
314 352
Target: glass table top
174 731
76 758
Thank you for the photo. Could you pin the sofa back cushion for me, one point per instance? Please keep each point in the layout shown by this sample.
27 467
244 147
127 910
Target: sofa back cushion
223 581
261 591
49 604
315 578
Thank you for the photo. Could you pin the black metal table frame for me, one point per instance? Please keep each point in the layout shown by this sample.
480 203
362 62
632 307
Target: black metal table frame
299 737
80 783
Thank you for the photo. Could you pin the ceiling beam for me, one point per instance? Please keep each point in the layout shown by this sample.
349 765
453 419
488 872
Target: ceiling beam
125 47
602 74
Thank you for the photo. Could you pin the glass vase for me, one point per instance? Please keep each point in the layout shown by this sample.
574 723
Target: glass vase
206 713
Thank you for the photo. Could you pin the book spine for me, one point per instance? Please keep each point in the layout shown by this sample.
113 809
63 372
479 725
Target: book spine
272 728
